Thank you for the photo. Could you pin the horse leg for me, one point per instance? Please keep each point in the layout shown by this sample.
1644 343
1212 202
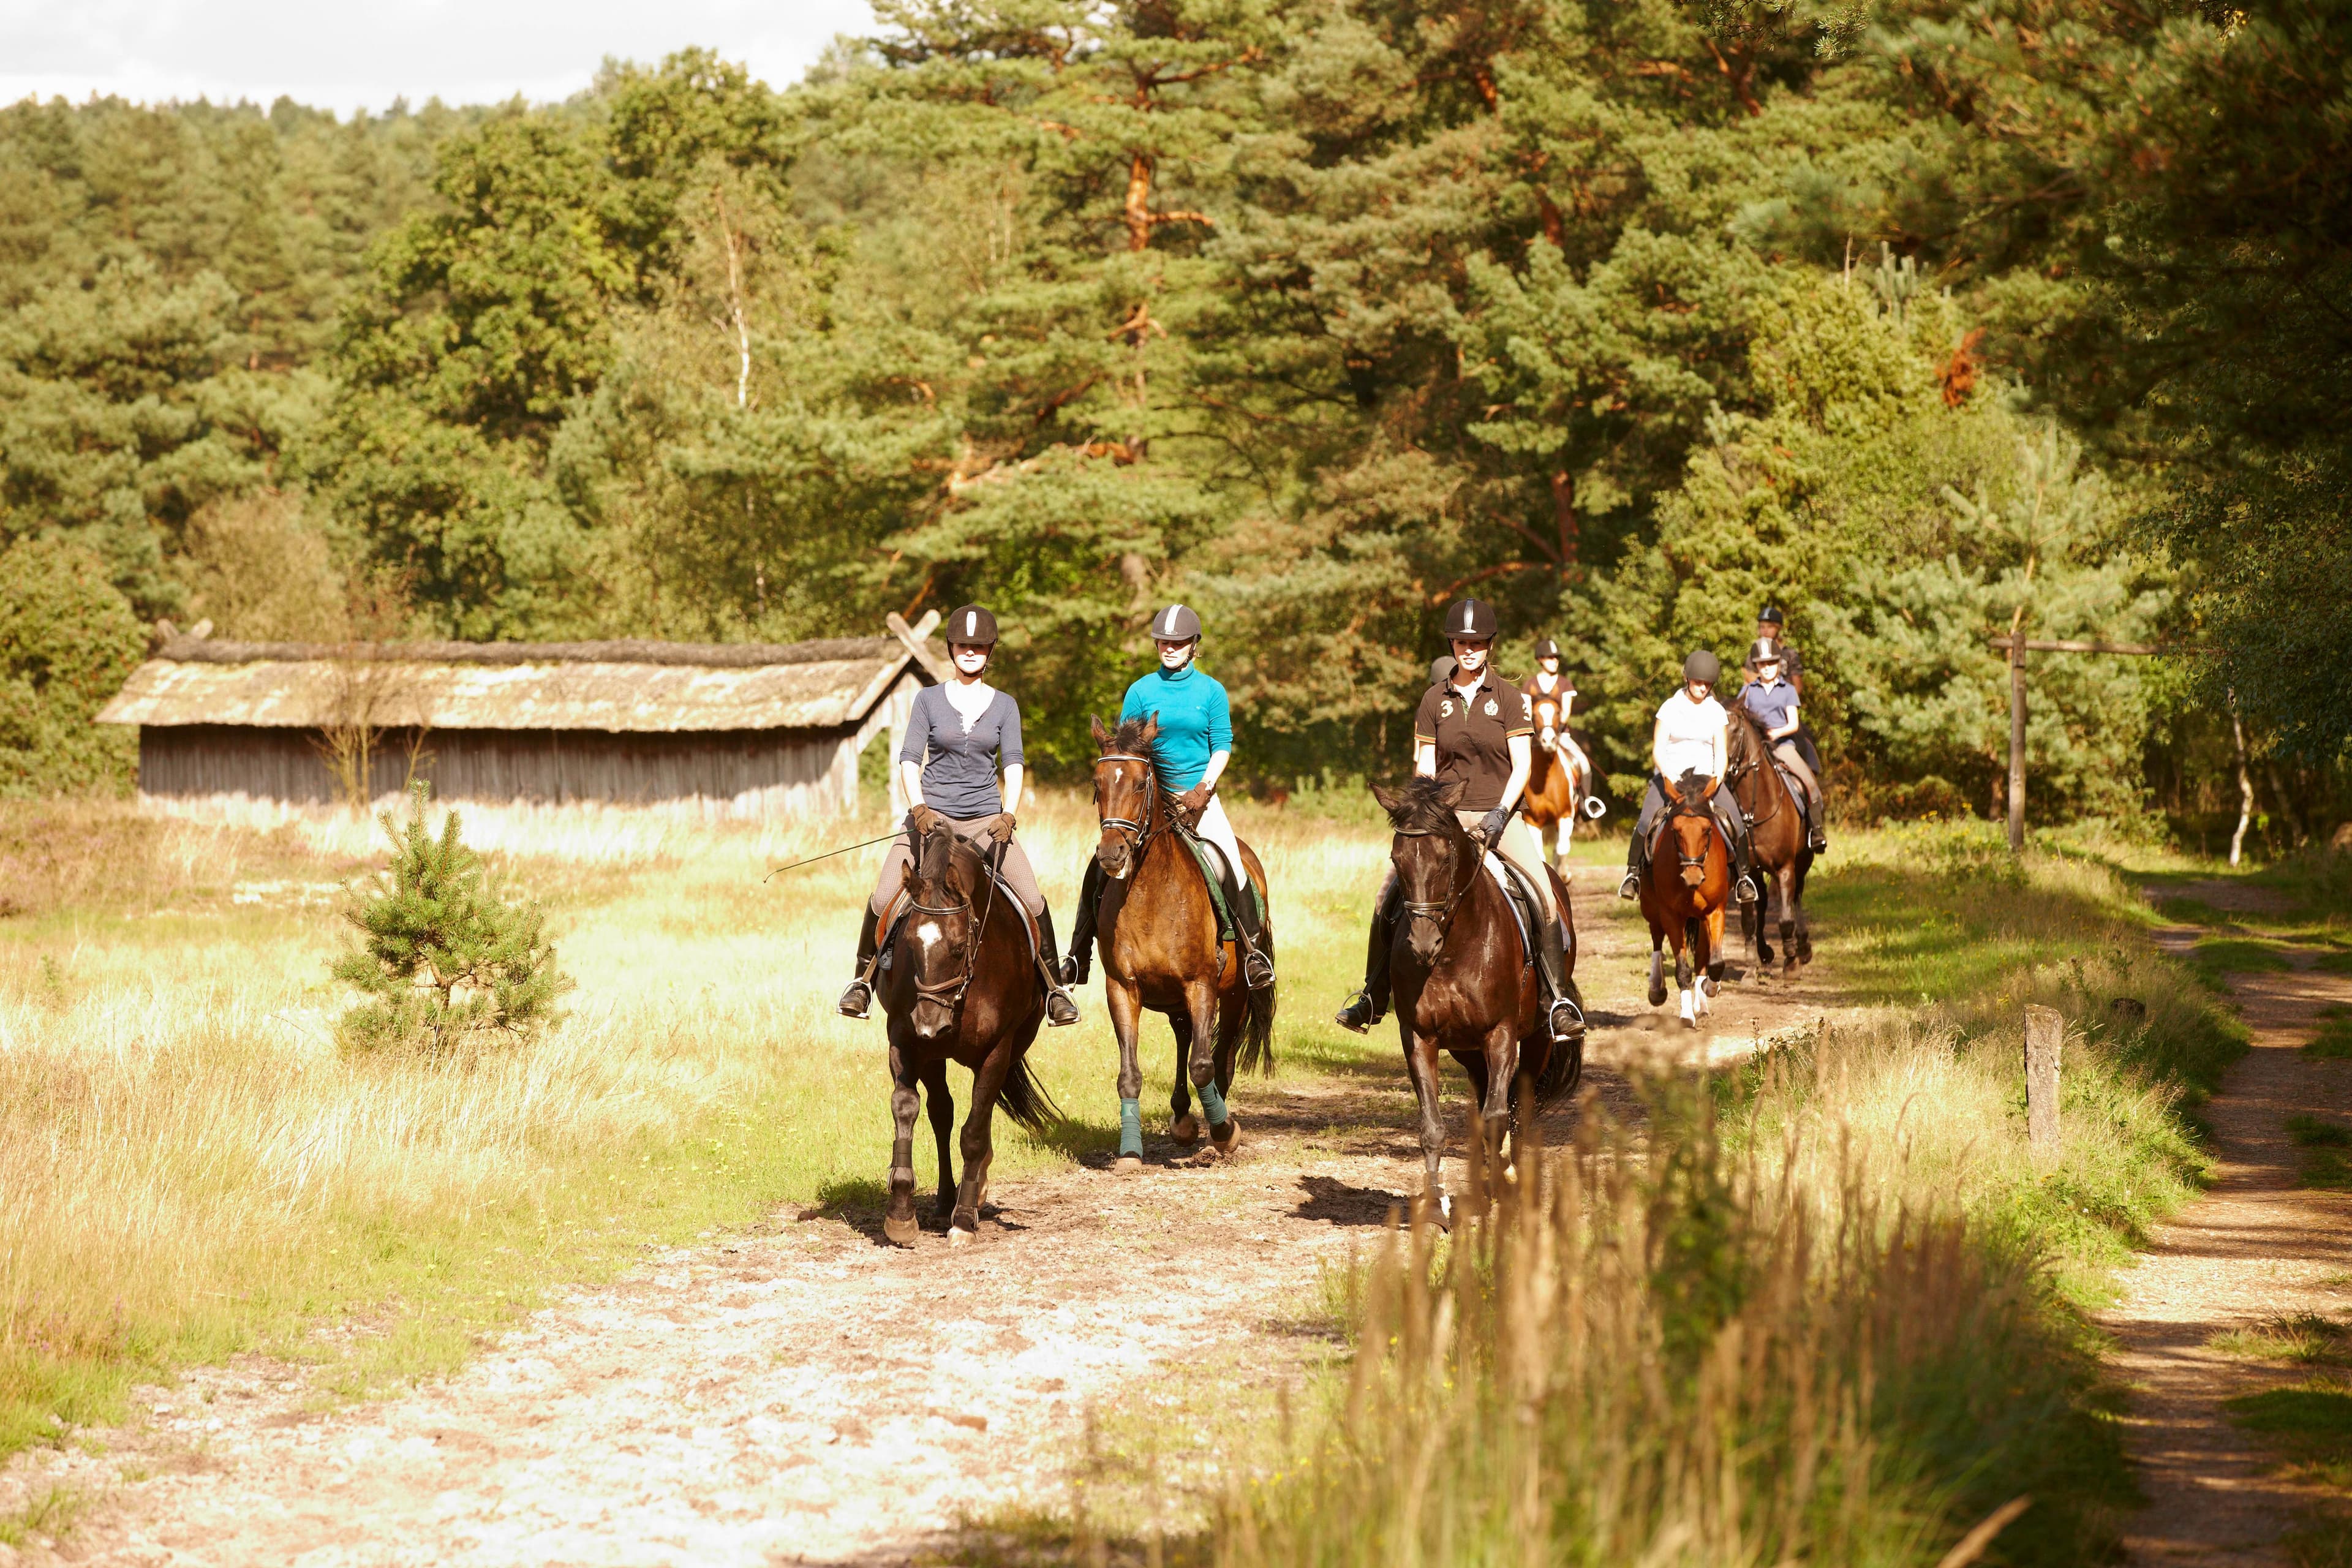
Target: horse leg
1804 926
898 1226
1658 967
1710 958
1125 1005
1567 839
1756 923
1784 894
1183 1127
1421 1066
1682 976
1201 996
1501 1091
939 1100
979 1141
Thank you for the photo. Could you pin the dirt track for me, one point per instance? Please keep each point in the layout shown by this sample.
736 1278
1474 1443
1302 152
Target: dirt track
803 1394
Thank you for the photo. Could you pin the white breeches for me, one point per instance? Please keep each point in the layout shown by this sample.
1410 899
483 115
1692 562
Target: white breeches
1214 827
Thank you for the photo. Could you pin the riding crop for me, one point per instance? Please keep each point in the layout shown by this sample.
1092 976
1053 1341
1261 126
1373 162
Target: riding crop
831 853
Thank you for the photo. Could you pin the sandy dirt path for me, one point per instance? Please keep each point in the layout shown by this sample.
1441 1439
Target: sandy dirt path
801 1394
2256 1248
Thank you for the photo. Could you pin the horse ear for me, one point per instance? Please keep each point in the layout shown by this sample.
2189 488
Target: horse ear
1449 795
1102 736
1389 801
1150 730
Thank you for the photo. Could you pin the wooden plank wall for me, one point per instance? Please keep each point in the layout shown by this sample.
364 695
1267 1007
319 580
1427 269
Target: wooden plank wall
755 774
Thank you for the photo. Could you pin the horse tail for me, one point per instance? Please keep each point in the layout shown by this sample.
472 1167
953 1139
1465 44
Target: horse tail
1024 1099
1556 1068
1257 1030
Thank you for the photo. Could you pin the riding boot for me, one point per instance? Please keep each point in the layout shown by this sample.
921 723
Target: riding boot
1637 860
1082 930
859 997
1816 839
1551 963
1060 1010
1743 860
1370 1005
1257 968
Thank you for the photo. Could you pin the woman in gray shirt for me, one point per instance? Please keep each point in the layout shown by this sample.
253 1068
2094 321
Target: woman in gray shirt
957 738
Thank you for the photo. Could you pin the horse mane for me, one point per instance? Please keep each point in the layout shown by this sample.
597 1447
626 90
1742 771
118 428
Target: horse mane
1742 720
960 856
1128 738
1420 809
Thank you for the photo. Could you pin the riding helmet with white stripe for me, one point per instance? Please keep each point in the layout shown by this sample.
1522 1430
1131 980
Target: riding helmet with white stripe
1763 650
972 627
1470 620
1546 648
1177 622
1770 616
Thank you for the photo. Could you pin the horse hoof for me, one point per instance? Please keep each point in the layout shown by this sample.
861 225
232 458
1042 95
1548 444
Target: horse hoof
1185 1129
1658 998
959 1237
1224 1143
1128 1164
900 1232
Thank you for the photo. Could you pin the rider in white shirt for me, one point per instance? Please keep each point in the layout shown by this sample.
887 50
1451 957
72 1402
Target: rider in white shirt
1691 743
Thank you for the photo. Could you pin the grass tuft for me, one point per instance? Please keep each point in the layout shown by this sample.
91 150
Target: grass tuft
2304 1337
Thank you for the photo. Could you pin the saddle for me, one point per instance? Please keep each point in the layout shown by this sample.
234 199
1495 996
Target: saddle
1213 869
1527 904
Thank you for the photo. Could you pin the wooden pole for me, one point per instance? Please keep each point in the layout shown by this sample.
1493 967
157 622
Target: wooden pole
2044 1029
2016 744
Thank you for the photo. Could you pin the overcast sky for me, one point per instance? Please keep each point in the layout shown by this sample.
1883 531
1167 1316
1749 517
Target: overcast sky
347 54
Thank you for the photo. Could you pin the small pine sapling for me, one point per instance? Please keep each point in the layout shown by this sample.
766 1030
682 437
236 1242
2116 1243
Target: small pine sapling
446 962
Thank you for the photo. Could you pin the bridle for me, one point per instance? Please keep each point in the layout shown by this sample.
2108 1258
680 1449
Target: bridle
1457 886
1135 833
1682 806
950 993
1757 766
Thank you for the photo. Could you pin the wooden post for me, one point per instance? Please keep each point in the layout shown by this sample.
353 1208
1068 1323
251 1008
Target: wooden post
2016 743
2044 1029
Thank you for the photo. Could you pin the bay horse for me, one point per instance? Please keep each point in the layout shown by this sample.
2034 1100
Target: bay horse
1776 835
1560 777
1685 906
1465 981
960 986
1161 949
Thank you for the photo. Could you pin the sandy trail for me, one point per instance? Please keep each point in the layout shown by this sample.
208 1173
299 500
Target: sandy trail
800 1393
2256 1248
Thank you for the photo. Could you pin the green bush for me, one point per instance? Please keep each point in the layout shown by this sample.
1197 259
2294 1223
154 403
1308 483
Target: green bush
67 642
448 963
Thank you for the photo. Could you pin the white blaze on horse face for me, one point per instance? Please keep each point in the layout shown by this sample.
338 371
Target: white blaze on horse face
928 933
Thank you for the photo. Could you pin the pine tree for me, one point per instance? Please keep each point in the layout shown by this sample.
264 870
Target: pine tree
449 965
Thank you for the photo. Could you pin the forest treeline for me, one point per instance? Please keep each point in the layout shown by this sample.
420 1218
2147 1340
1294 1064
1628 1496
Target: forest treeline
1925 320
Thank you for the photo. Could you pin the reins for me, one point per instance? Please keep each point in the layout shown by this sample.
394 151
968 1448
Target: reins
952 992
1457 885
1138 833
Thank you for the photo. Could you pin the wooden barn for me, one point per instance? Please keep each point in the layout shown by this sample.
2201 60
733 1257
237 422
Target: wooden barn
747 730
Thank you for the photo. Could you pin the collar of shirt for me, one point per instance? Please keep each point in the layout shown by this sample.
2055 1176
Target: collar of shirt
1183 674
1469 693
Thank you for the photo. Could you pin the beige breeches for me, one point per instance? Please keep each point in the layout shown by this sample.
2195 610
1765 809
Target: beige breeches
1520 847
1786 753
1015 867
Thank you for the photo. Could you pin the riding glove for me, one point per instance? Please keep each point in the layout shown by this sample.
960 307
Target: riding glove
1194 801
1000 827
1491 825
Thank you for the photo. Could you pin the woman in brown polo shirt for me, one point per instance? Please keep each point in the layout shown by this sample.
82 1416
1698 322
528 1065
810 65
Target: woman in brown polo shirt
1474 728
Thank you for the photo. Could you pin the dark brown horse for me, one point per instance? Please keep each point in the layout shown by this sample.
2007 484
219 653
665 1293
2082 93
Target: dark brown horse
959 984
1777 836
1465 981
1161 949
1683 888
1559 775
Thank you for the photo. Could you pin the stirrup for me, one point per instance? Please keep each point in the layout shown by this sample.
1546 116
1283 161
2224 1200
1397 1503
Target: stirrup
1359 1016
1073 970
1631 887
858 1000
1258 970
1063 1018
1745 891
1571 1030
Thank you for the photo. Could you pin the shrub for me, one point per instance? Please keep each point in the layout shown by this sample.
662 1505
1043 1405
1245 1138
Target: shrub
448 964
67 642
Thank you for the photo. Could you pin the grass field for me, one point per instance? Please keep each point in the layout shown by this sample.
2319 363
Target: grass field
191 1167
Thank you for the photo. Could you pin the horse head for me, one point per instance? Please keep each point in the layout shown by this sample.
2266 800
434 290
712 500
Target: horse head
1691 830
1547 726
934 938
1430 852
1126 792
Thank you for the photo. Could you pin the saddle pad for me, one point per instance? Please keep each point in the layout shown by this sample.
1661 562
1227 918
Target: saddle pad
1519 895
1213 869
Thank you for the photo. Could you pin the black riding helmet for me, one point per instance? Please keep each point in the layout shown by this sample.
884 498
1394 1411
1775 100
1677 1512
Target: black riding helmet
1770 616
1763 650
1703 665
972 627
1177 622
1546 648
1470 620
1441 669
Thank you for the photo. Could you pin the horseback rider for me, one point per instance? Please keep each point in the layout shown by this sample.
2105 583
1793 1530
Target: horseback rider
1194 743
1772 700
1768 621
1475 728
1691 736
958 735
1547 681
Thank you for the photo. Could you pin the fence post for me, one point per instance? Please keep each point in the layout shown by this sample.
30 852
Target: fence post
2044 1029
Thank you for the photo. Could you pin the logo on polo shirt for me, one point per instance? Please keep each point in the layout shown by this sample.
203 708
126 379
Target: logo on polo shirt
1491 709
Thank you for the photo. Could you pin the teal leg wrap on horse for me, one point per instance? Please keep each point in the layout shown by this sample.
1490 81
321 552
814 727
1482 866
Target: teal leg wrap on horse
1130 1127
1213 1103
